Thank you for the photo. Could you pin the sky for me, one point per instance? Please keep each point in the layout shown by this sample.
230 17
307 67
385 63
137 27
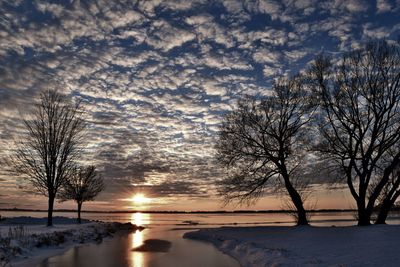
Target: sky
156 77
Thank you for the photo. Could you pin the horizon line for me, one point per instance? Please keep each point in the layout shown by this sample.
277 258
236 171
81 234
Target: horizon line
174 211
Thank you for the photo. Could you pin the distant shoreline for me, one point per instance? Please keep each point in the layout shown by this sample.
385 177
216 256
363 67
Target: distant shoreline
179 212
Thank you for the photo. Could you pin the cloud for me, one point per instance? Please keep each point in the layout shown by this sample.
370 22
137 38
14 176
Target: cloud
172 189
271 7
383 6
165 37
264 55
209 31
371 32
212 88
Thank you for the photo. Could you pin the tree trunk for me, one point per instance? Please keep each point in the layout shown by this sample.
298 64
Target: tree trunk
383 212
79 211
364 217
50 211
387 204
297 201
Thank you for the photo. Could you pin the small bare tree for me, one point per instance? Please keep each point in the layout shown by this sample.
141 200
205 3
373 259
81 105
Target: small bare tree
83 186
260 142
47 155
360 118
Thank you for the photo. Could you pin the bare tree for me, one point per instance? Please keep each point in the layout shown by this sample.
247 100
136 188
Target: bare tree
47 154
260 143
360 118
83 186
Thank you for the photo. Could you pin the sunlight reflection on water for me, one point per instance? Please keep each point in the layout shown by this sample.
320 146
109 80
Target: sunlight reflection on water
137 258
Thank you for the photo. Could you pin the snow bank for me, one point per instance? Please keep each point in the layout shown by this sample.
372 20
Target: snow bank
24 240
307 246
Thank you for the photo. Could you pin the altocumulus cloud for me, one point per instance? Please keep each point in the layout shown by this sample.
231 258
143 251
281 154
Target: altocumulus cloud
156 76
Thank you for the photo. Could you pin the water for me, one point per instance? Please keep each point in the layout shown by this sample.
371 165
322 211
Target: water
210 219
171 227
118 252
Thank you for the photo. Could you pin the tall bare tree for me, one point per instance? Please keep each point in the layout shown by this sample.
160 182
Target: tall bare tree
83 186
47 154
360 118
260 145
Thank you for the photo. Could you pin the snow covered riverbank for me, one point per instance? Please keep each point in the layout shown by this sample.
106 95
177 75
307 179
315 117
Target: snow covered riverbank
307 246
25 241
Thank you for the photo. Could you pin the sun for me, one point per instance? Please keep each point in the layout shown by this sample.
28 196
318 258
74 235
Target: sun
140 199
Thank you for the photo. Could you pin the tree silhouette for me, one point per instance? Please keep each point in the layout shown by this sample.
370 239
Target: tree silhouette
260 141
47 154
360 118
84 185
389 195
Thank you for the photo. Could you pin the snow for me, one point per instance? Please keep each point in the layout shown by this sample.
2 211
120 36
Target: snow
307 245
33 225
25 241
33 220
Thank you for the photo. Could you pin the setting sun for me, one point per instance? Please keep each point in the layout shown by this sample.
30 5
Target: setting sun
140 199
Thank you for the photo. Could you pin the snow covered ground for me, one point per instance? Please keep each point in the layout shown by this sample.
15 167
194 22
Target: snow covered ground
25 241
307 246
